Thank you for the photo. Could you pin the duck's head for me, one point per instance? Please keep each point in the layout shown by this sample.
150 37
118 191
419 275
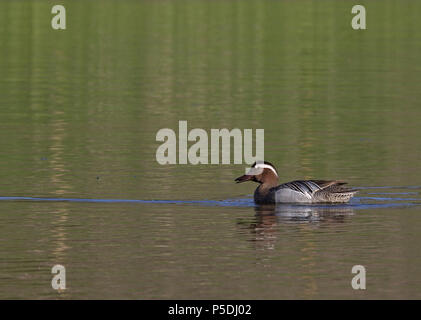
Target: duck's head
260 172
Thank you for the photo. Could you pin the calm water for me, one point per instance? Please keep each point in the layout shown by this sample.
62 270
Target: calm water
80 108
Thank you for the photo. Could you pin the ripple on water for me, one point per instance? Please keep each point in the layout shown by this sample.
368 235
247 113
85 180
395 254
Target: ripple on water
366 200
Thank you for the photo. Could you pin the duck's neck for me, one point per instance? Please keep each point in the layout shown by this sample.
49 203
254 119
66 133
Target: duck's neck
263 194
269 182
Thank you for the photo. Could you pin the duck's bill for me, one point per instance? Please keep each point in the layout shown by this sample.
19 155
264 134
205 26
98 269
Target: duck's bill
244 178
250 174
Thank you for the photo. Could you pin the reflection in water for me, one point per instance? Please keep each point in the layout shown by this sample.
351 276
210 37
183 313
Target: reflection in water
268 218
305 218
308 213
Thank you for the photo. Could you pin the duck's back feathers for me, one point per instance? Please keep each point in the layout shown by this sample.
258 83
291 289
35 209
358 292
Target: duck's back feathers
314 191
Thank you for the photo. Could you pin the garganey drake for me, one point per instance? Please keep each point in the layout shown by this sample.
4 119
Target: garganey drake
299 191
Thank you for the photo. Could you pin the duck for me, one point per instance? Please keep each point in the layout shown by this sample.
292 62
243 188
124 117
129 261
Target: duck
270 191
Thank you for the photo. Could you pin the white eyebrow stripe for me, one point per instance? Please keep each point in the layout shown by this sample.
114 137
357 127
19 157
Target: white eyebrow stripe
263 165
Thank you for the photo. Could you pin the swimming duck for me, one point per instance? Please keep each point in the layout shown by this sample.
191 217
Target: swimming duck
299 191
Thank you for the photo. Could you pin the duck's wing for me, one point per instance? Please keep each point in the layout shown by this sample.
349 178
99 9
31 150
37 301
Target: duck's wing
323 184
312 191
299 191
335 192
334 186
308 188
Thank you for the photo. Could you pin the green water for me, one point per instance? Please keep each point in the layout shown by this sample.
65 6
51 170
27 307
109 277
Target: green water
80 109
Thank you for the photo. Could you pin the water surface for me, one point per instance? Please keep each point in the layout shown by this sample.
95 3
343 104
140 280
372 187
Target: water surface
80 185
